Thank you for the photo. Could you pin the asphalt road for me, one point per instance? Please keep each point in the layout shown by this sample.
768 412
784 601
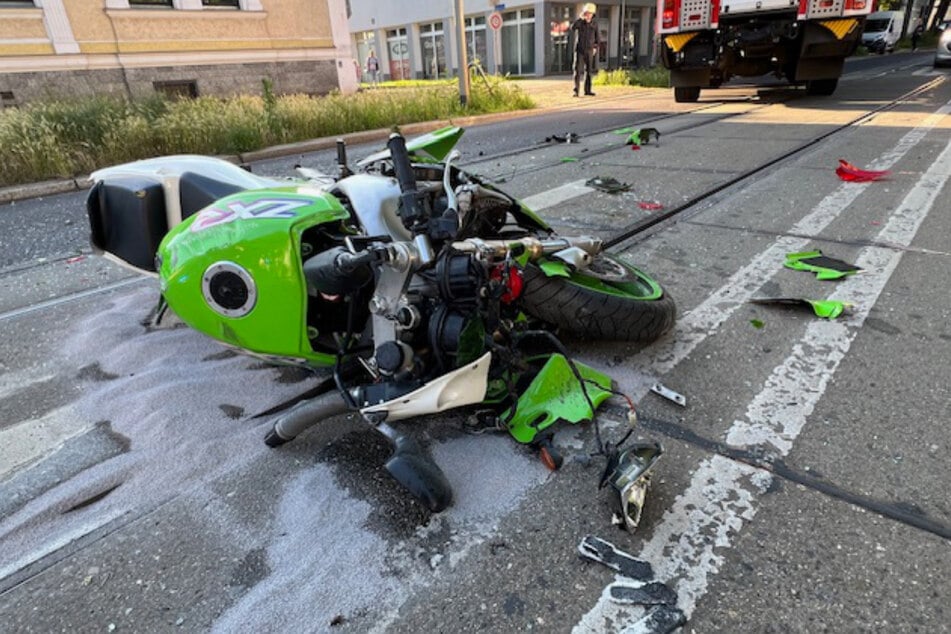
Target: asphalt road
803 485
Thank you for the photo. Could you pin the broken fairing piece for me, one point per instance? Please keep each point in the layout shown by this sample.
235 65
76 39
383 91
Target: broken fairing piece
629 476
848 172
608 185
653 593
669 394
824 267
825 308
596 549
643 136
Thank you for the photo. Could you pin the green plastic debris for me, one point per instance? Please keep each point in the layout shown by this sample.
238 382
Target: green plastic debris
824 308
824 267
554 268
569 159
757 323
627 130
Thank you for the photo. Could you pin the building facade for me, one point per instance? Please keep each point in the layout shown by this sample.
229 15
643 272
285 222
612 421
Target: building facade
58 48
418 39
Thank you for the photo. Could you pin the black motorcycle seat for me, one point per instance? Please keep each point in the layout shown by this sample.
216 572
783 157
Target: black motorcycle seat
197 192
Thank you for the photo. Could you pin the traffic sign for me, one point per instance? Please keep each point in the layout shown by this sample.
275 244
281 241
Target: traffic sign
495 21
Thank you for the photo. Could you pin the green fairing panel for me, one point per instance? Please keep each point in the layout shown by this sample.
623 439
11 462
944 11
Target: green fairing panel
555 394
260 231
436 144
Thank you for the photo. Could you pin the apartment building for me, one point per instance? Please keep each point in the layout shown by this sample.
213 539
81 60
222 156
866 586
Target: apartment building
190 47
418 39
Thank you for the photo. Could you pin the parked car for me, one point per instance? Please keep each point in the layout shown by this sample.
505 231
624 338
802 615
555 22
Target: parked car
942 53
882 31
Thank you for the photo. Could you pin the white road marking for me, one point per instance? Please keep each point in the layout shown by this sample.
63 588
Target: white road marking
722 494
557 195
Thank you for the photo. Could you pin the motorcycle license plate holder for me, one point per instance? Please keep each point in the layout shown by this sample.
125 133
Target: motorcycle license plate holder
555 394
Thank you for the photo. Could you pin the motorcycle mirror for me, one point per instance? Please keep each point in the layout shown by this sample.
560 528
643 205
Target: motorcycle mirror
630 480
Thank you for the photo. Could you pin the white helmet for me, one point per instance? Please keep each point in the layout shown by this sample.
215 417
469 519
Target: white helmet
589 7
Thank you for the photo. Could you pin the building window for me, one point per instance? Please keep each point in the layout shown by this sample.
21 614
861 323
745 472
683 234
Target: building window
150 3
15 3
561 46
220 3
398 47
475 39
518 42
433 42
187 89
7 98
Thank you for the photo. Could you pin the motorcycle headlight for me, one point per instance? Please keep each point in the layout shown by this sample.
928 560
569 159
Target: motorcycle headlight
630 480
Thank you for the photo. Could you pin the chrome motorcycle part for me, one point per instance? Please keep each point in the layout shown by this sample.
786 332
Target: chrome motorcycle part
630 480
669 394
229 289
574 257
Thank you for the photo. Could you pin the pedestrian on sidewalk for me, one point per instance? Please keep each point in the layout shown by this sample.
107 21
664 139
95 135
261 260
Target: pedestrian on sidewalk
373 68
587 40
916 33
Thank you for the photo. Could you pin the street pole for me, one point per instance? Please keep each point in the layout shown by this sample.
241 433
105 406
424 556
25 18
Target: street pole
461 54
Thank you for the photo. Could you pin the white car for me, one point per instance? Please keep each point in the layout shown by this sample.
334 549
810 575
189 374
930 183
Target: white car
942 54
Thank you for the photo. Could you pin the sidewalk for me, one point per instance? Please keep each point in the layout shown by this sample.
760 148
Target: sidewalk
548 94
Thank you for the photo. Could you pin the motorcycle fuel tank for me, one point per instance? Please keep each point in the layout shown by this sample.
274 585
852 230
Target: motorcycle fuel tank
234 270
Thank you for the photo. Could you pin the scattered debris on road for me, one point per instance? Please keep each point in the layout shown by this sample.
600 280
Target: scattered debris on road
824 267
824 308
669 394
848 172
608 185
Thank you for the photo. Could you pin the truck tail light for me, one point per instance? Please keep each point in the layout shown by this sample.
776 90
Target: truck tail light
714 14
855 5
670 16
803 9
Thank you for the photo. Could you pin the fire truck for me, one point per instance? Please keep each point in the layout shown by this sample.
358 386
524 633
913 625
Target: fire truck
704 43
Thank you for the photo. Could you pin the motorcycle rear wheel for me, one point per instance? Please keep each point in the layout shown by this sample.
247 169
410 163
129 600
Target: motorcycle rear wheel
635 308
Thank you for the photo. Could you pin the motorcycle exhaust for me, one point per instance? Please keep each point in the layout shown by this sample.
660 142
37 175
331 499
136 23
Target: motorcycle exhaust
304 415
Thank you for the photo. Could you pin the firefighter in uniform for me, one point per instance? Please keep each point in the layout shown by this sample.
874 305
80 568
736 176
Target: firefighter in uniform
587 40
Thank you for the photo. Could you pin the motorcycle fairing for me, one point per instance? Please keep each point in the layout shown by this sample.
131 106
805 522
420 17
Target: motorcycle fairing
463 386
555 394
431 147
247 246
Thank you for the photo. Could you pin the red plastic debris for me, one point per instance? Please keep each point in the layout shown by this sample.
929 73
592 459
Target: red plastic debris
78 258
649 206
848 172
635 146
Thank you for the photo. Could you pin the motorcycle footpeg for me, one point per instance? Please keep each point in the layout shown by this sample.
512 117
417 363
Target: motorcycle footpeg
413 468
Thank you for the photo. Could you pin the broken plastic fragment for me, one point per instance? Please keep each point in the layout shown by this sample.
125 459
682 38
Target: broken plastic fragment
669 394
824 267
848 172
660 620
653 593
609 185
649 206
569 159
596 549
757 323
825 308
568 137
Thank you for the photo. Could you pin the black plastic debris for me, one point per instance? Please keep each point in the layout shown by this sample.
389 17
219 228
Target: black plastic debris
596 549
642 136
653 593
607 185
823 266
568 137
662 619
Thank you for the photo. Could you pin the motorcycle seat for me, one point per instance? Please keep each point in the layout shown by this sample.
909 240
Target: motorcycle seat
197 191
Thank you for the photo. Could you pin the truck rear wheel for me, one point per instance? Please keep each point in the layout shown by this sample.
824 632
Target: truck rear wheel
686 94
823 87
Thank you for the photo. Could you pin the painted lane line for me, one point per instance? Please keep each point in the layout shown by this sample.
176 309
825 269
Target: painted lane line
722 494
694 327
65 299
558 195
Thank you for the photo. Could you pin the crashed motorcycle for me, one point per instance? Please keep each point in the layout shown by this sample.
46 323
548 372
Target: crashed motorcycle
421 287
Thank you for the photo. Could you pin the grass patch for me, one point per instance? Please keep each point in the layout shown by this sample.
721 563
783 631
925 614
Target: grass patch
62 139
650 77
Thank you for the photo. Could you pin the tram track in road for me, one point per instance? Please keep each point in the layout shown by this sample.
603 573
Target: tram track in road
626 233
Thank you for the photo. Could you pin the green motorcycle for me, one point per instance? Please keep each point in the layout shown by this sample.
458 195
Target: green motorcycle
421 287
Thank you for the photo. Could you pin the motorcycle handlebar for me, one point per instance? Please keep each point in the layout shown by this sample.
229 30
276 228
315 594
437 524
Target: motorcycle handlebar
410 209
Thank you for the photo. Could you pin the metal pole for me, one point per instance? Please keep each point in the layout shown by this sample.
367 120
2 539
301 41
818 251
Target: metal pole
461 54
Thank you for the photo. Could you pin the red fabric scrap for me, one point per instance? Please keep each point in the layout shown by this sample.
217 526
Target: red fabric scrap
649 206
635 146
848 172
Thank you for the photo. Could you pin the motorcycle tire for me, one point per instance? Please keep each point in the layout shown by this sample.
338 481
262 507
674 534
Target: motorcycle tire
621 307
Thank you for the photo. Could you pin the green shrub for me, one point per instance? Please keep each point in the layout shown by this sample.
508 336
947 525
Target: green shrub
650 77
68 138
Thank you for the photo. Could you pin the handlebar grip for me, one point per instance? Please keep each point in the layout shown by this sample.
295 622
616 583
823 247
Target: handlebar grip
401 163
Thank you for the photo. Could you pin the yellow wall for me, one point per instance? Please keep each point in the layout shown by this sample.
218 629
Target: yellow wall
284 24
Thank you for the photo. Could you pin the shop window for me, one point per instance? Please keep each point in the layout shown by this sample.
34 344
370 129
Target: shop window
518 42
433 43
398 49
150 3
233 4
475 39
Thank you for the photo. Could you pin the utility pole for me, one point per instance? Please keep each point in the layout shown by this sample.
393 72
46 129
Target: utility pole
461 54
